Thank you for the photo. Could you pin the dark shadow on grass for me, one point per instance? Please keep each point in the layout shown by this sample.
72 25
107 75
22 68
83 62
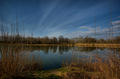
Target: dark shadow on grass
50 77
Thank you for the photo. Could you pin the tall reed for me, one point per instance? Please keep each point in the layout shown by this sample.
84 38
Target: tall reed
13 60
97 68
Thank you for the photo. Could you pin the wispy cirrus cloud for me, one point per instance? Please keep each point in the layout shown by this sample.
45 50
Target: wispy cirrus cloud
118 16
116 22
100 31
86 27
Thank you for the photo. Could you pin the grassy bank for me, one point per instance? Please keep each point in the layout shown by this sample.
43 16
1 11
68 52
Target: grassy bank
39 44
107 45
61 73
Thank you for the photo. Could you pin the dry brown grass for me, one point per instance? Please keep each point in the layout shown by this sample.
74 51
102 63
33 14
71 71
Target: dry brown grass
107 68
98 45
14 61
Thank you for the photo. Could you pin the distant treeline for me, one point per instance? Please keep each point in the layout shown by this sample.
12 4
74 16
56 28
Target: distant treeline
34 40
93 40
60 40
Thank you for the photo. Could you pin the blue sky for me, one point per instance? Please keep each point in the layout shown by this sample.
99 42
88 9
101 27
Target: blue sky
70 18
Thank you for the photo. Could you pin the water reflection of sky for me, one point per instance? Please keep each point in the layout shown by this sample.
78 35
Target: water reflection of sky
0 55
52 60
53 57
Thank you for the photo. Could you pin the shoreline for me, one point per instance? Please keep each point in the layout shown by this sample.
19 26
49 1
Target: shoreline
107 45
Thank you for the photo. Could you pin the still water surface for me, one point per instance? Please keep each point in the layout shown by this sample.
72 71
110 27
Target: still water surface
53 56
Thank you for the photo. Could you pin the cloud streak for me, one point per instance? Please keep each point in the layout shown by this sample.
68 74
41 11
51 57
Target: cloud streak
100 32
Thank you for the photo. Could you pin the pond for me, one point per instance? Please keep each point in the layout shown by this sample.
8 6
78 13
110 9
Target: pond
53 57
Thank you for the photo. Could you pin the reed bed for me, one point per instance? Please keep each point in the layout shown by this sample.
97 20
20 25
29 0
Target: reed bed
98 45
100 68
14 61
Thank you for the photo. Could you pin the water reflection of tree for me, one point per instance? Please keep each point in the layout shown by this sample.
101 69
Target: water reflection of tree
47 49
87 49
66 48
115 50
61 49
101 48
84 49
54 49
